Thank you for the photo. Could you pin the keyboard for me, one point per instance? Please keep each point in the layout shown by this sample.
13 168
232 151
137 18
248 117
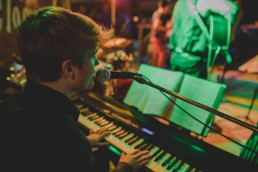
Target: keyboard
172 148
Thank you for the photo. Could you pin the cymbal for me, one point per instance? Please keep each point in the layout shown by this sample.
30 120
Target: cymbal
117 43
251 66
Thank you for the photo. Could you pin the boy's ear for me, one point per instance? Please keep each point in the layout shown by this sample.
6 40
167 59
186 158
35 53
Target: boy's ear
68 69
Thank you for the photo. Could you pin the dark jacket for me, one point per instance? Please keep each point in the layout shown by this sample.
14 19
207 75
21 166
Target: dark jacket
40 133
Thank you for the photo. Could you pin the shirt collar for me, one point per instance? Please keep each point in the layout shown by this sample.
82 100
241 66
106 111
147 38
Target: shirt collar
51 98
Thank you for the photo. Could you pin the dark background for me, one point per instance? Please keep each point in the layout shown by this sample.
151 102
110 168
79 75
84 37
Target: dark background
244 47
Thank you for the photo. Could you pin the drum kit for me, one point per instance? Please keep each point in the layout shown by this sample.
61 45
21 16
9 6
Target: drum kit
114 55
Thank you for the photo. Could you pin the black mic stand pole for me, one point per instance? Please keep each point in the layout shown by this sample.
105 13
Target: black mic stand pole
141 80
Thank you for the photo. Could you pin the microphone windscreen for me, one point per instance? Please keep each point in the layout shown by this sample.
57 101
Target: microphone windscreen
102 75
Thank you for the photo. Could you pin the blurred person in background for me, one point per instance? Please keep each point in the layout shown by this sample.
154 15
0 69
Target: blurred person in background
188 42
159 34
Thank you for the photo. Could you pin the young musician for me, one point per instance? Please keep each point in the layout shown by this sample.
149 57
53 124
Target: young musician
39 125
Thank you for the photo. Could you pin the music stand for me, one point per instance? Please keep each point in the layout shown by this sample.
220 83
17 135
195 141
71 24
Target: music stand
251 66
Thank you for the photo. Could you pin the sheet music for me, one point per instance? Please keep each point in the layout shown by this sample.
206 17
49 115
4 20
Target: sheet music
202 91
150 100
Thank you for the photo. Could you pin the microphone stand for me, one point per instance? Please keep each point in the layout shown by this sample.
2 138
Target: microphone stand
141 80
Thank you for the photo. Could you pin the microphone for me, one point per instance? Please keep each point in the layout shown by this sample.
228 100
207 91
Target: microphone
104 74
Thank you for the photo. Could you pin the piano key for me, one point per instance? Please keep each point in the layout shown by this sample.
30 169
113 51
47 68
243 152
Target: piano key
104 123
133 140
171 163
163 156
90 115
116 130
98 119
113 127
193 169
139 141
119 144
149 147
157 152
109 125
152 164
80 106
153 150
130 135
123 135
167 160
143 145
160 156
83 109
86 122
130 139
93 116
177 165
185 167
119 132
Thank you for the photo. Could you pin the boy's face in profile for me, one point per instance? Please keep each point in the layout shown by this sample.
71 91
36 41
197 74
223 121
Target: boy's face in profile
85 74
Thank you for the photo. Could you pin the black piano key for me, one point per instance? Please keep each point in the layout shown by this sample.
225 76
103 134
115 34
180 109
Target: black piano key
160 156
112 127
80 106
156 153
129 139
123 135
177 165
86 111
143 144
185 167
104 123
171 163
149 147
114 132
136 138
94 117
100 121
137 142
109 124
194 169
119 133
167 161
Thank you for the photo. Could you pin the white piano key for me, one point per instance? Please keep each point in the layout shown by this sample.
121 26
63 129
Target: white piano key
171 163
184 168
109 125
159 167
117 129
177 164
117 143
137 142
152 164
84 109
